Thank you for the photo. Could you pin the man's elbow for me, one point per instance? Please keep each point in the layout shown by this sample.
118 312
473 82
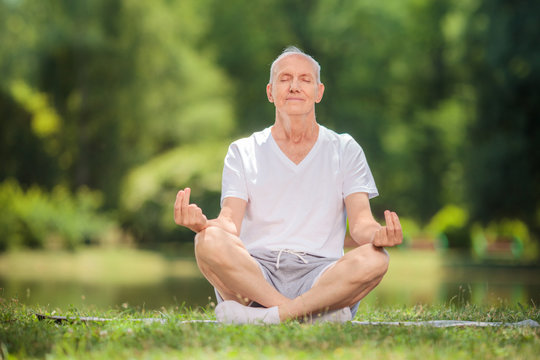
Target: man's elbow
227 225
359 237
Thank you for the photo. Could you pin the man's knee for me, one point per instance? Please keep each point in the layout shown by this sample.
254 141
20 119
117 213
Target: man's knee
210 245
208 240
374 261
379 260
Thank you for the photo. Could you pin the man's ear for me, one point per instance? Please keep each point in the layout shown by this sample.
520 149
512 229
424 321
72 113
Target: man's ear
320 92
269 93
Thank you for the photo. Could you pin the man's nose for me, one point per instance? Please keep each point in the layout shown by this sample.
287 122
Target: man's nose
294 85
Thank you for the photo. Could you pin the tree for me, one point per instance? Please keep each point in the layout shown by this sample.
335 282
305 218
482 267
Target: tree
118 85
503 55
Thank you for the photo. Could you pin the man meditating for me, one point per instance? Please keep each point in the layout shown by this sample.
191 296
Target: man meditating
275 252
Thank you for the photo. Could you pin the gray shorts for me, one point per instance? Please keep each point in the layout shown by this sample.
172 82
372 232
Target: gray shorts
291 273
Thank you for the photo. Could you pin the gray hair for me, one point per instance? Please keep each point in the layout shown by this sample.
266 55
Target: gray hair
293 50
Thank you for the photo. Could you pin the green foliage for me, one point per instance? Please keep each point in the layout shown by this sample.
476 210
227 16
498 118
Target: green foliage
126 81
45 120
37 218
410 228
448 217
114 86
450 226
512 233
25 156
503 60
441 95
149 190
23 336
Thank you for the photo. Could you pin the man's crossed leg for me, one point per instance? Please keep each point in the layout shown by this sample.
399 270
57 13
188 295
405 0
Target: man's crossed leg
228 266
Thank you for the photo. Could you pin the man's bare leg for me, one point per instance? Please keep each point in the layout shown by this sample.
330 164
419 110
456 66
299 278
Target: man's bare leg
344 284
227 265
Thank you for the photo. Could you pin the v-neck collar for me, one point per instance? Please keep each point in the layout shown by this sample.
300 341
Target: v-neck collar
287 160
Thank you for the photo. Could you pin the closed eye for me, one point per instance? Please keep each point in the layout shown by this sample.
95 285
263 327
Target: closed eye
285 78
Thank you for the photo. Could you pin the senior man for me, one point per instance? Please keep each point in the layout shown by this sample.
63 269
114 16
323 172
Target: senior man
276 250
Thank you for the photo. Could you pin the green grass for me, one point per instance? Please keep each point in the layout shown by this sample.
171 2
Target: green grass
22 336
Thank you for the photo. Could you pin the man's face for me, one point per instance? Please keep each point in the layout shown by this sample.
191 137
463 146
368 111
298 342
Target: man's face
294 89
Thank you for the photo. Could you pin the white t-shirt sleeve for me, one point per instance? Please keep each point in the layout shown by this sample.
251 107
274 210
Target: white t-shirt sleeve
357 176
233 180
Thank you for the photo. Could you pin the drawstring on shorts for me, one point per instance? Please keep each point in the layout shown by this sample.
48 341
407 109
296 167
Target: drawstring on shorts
294 252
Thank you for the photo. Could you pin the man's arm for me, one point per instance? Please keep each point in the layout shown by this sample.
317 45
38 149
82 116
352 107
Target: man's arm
231 215
364 229
192 217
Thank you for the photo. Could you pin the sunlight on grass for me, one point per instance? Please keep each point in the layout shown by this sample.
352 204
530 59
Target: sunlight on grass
23 336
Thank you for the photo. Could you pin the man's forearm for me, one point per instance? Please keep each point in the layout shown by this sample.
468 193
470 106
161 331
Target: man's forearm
225 224
363 233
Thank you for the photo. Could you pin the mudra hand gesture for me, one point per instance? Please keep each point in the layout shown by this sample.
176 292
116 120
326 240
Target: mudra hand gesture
391 234
188 215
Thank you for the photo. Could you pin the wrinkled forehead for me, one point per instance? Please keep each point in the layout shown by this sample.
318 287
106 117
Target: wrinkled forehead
295 64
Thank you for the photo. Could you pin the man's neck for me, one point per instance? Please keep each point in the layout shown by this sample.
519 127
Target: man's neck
295 129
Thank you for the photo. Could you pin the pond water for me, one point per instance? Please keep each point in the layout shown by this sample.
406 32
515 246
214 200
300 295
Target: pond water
169 293
413 278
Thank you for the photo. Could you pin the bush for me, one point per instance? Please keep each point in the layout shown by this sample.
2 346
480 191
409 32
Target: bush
449 226
36 218
411 230
523 246
149 191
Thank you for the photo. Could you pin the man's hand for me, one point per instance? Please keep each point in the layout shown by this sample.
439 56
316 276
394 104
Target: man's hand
188 215
391 234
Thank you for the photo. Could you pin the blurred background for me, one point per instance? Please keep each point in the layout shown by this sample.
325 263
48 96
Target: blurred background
108 107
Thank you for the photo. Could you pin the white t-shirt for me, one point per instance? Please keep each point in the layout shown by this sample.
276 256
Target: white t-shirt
296 207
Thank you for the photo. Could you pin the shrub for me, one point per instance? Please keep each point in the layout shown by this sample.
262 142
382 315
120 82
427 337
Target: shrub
449 225
523 246
149 191
37 218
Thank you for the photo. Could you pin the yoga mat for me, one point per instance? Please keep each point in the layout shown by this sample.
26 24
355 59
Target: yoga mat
431 323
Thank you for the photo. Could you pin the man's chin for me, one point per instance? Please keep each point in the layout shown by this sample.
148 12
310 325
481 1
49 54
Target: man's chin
295 112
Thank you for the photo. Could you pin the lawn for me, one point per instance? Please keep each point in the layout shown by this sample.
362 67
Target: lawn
22 336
